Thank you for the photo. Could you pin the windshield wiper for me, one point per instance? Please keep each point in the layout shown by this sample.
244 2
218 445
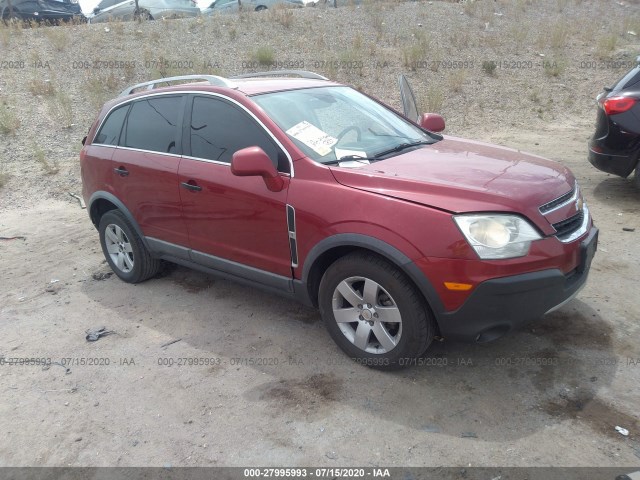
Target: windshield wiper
351 158
402 146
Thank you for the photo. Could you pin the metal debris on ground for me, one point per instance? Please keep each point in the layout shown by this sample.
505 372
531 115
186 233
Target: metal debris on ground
17 237
47 366
622 431
79 198
96 333
170 343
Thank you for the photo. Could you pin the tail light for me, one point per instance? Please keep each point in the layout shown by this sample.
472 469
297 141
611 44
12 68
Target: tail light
615 105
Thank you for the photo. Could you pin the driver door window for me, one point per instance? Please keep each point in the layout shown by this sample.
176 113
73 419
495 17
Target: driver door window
219 129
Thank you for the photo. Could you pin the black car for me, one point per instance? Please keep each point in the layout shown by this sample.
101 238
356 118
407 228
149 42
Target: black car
615 146
49 11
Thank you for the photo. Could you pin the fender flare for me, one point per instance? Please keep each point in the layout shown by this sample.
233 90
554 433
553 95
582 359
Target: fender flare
102 195
391 253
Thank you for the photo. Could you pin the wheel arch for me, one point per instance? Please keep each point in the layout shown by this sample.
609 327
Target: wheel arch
327 251
103 202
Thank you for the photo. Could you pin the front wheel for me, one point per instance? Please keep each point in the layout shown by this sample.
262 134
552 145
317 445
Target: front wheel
122 247
373 312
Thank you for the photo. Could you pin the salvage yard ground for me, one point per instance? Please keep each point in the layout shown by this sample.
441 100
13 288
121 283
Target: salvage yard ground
252 379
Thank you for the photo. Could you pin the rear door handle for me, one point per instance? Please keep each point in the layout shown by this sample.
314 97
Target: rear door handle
191 186
123 172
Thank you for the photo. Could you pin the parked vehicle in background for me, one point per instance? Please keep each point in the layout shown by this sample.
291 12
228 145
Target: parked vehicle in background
227 6
312 190
51 11
615 145
149 10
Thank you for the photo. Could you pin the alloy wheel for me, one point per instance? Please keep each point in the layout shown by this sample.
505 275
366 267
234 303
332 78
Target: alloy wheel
367 315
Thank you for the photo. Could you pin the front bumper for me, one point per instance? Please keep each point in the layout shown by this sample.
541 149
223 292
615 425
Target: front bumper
500 305
615 162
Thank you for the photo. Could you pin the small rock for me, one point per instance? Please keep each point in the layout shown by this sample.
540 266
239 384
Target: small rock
622 431
107 29
628 229
79 439
331 455
594 379
134 443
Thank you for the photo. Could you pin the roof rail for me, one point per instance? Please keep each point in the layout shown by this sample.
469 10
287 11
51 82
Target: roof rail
212 79
279 73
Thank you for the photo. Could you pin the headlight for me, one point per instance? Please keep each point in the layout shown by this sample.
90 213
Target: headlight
497 236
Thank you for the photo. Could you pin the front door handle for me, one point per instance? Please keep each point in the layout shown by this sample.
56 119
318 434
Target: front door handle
123 172
191 186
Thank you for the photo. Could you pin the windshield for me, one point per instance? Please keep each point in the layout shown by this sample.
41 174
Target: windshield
330 123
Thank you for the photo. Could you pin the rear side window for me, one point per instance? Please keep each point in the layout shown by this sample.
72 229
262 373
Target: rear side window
109 134
631 78
152 124
219 129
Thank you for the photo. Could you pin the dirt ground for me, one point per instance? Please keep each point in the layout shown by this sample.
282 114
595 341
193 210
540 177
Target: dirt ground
253 379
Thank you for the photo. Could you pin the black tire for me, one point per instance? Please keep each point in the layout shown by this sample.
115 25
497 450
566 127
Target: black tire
142 15
140 264
415 331
636 177
261 8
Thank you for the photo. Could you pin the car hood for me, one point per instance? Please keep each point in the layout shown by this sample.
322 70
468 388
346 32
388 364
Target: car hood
460 175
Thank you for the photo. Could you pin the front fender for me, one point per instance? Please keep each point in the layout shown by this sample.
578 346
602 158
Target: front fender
383 249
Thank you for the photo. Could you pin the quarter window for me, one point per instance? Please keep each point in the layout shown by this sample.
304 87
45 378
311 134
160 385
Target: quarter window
152 124
219 129
109 134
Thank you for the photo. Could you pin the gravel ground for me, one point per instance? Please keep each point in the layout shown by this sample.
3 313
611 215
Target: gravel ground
313 407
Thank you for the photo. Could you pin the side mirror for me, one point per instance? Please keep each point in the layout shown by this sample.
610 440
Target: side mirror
253 162
432 122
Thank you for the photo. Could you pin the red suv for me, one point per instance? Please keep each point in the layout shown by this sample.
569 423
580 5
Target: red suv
313 190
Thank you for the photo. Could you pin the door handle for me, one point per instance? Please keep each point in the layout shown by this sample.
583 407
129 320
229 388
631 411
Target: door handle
123 172
191 186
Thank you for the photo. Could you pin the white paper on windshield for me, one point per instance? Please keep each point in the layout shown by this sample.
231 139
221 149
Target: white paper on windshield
314 138
343 152
351 163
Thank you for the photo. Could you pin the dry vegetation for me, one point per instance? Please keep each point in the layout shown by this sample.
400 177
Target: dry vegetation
458 55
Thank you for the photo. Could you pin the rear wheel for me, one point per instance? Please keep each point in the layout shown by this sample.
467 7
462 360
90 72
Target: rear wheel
122 247
10 18
373 311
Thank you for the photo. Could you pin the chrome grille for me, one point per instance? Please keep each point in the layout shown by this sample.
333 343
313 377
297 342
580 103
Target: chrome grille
567 227
558 202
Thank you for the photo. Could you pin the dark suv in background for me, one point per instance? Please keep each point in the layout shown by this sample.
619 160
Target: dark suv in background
48 11
615 145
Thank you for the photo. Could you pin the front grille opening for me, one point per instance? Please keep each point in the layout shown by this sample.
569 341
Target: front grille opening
565 228
547 207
